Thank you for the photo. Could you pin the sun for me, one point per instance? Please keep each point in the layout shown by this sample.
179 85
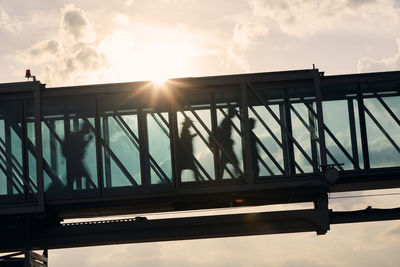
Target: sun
159 80
158 61
163 61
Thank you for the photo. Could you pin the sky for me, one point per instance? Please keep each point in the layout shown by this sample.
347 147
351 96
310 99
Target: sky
87 42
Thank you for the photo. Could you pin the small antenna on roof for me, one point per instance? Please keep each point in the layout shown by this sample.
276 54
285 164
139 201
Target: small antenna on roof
313 66
28 75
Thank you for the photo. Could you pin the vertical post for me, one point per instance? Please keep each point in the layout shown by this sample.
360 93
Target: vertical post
67 133
353 134
285 140
322 208
246 139
38 144
320 119
286 117
214 127
53 148
363 128
313 140
7 139
143 148
103 131
46 255
78 179
107 160
173 129
27 259
25 161
97 127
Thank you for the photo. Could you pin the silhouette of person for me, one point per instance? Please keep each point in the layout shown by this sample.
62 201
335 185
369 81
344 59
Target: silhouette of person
253 148
185 150
224 134
78 142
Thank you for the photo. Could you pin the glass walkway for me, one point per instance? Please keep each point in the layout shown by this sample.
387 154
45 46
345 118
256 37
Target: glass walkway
192 143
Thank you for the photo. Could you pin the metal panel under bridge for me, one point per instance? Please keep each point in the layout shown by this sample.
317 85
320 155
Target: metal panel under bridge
195 143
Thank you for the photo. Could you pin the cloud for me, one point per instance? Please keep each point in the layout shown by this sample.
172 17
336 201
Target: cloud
394 231
243 35
367 64
75 23
5 22
42 52
70 57
304 18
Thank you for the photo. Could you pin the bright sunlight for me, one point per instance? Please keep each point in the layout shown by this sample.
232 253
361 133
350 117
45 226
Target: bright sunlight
157 62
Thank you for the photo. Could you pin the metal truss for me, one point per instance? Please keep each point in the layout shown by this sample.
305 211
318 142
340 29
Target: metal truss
296 142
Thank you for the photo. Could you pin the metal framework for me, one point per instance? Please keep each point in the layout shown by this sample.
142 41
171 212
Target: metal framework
257 139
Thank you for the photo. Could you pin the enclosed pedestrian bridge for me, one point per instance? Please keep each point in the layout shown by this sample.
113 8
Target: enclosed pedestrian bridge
195 143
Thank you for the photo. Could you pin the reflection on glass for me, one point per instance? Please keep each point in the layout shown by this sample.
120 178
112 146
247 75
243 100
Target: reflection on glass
339 144
185 156
78 141
303 130
55 167
159 147
268 140
15 178
198 137
68 144
229 136
120 146
383 131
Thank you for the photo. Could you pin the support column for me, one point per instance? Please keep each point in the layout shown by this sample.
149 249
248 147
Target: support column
363 128
320 118
322 209
246 139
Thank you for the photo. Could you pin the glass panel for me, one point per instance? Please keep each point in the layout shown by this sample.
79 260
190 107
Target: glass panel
120 149
30 144
11 162
69 148
336 118
302 131
382 147
195 158
120 141
159 147
266 138
55 166
228 133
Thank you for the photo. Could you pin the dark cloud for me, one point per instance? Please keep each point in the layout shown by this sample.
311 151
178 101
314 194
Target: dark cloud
49 46
301 262
89 58
394 231
356 3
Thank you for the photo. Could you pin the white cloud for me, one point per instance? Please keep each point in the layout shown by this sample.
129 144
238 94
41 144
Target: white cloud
129 2
243 36
70 57
121 19
304 18
368 64
5 22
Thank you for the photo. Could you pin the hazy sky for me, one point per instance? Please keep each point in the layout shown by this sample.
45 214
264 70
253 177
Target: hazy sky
126 40
84 42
